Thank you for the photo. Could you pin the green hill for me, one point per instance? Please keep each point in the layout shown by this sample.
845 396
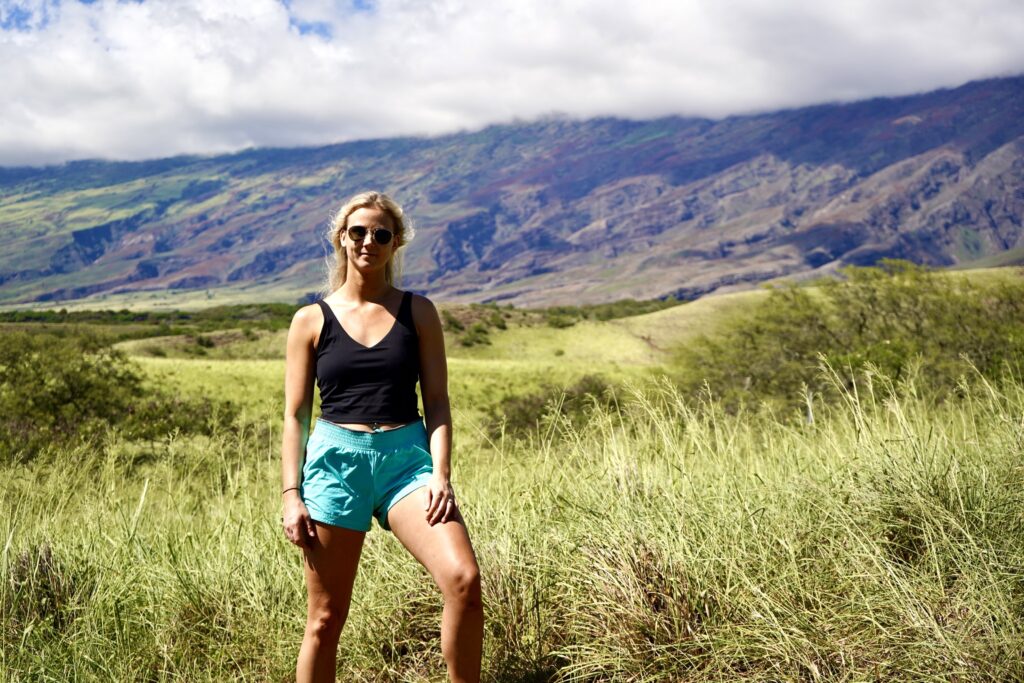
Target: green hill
554 211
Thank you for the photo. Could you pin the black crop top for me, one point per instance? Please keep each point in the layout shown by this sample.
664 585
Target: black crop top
365 384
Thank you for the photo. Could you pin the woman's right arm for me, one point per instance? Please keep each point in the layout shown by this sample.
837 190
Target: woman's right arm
300 373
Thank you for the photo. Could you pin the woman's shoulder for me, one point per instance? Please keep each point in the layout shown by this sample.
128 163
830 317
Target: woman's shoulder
417 299
308 318
423 310
420 304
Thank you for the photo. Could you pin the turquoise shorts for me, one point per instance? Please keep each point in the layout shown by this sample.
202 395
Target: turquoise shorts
349 477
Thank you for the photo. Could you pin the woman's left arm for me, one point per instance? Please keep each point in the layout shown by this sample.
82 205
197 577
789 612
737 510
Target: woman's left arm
439 501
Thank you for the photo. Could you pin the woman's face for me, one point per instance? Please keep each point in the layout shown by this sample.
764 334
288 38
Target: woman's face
367 253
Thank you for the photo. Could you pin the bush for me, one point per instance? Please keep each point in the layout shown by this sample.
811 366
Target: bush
559 321
450 323
519 415
893 317
497 320
475 334
57 390
567 316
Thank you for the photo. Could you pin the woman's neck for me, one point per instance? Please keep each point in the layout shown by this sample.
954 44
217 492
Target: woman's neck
361 288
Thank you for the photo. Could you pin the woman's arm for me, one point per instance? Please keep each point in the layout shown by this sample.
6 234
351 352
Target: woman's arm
437 412
300 373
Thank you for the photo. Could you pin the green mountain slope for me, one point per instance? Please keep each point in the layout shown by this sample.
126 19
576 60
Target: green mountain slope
555 211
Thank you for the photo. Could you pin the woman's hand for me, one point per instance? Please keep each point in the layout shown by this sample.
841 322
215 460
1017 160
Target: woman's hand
439 500
298 526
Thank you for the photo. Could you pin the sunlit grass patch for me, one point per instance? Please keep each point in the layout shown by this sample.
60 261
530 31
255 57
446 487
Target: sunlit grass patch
664 540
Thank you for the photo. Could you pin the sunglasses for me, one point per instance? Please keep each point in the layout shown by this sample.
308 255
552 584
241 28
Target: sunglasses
357 233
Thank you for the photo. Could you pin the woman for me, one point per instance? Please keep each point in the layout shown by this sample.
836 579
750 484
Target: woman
370 454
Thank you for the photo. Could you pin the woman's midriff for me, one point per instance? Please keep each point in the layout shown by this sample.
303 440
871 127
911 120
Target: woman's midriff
371 427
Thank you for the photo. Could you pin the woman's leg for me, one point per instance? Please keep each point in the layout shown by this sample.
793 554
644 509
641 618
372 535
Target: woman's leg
331 563
445 551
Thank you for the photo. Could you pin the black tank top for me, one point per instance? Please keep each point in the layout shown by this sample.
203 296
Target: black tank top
368 384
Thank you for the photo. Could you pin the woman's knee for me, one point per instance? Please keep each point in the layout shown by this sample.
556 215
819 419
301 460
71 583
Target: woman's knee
324 621
462 583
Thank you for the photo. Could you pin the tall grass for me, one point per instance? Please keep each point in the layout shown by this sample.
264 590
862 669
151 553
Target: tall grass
664 540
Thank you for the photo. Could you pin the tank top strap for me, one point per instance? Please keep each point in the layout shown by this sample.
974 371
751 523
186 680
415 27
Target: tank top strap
405 311
330 321
328 313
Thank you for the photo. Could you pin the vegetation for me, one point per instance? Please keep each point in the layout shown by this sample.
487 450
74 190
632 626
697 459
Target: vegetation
635 531
471 324
892 318
565 316
59 391
125 324
523 415
665 542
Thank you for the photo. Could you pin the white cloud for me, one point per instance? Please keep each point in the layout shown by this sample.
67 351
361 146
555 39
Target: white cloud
136 80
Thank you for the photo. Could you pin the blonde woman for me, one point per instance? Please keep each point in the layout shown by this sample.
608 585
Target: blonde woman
370 454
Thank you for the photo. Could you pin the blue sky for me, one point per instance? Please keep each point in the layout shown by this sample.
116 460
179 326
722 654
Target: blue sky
134 79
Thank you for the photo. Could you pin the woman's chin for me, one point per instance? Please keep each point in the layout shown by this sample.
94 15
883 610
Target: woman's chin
368 263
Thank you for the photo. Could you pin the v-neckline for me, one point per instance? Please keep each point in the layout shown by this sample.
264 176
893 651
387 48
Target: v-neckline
356 341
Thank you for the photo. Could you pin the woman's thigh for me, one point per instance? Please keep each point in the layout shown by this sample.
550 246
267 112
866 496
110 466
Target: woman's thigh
332 558
441 548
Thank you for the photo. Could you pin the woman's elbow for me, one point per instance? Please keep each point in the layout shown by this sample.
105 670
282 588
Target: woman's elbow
298 415
437 406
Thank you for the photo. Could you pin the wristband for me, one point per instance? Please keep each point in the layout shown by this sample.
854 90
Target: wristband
290 488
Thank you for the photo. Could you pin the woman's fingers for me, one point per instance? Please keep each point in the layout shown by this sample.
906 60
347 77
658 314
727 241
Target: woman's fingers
299 528
439 504
443 509
436 501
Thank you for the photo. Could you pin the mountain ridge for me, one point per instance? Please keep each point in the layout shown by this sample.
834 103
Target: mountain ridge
552 211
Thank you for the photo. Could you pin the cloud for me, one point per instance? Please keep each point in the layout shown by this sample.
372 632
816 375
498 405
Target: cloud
129 80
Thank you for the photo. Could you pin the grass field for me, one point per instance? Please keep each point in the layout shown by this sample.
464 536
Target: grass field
665 539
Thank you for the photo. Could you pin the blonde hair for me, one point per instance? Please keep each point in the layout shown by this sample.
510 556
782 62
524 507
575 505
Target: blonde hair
338 270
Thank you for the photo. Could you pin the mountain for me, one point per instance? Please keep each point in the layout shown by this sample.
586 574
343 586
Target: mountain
554 211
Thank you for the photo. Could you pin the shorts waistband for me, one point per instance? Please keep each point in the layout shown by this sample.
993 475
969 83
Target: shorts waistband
388 440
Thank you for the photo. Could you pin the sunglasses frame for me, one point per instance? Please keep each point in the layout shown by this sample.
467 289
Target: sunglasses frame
373 232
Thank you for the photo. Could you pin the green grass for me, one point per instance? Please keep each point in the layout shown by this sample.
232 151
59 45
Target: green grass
664 539
670 542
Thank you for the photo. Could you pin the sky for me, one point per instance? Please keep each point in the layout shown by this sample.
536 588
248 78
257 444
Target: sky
131 79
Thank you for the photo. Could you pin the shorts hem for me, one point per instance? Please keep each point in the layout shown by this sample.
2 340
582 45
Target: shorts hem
408 489
333 520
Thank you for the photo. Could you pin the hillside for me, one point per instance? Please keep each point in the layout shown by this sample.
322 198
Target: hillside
555 211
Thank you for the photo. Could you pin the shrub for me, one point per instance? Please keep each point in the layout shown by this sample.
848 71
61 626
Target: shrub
893 317
519 415
450 323
154 350
559 321
497 320
56 390
475 334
